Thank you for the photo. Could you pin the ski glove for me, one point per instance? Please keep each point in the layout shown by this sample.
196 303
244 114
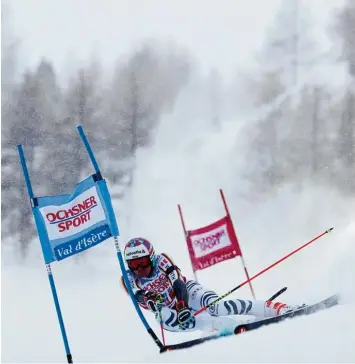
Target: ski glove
185 317
155 302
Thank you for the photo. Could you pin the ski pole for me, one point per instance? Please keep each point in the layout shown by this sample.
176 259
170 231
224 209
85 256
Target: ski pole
162 327
277 294
261 272
160 300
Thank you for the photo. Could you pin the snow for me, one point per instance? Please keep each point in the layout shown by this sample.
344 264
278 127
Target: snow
101 323
188 166
102 327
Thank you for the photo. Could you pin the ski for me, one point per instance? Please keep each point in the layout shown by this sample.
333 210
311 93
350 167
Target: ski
309 309
306 310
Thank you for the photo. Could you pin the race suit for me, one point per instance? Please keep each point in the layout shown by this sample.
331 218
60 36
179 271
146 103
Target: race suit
164 280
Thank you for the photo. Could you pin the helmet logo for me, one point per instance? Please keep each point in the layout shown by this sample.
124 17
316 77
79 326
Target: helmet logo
136 252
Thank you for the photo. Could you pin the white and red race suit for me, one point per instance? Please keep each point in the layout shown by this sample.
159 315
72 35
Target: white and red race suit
161 281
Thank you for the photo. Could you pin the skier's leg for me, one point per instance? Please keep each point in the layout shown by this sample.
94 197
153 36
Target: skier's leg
170 321
252 307
200 297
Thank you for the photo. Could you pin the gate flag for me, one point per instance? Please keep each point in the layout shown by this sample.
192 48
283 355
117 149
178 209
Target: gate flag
70 224
214 243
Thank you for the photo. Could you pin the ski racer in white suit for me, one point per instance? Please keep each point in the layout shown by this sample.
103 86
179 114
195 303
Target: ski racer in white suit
159 286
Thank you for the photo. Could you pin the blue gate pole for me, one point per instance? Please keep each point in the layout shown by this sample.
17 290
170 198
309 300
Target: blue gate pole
88 148
115 234
129 288
48 266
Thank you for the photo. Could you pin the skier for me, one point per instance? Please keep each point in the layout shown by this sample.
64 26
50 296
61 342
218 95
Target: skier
159 286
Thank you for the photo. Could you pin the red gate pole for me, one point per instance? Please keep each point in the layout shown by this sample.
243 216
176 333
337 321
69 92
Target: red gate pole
241 254
185 234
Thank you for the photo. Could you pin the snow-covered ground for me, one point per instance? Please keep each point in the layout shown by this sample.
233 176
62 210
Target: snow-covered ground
188 166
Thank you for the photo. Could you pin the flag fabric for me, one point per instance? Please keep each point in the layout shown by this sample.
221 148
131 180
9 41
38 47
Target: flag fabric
212 244
70 224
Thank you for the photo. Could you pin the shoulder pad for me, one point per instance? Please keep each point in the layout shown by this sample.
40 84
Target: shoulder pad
164 262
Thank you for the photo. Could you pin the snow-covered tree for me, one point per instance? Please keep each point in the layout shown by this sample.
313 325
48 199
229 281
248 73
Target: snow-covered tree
287 52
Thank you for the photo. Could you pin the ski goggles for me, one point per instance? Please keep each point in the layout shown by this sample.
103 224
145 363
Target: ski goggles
142 263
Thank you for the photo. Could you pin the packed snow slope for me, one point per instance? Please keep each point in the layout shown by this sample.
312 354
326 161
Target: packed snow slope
187 165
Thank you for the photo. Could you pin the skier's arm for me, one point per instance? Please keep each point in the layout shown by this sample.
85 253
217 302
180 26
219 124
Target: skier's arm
185 318
175 277
139 294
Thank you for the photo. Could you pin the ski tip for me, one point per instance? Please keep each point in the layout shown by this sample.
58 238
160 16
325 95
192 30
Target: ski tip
329 230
